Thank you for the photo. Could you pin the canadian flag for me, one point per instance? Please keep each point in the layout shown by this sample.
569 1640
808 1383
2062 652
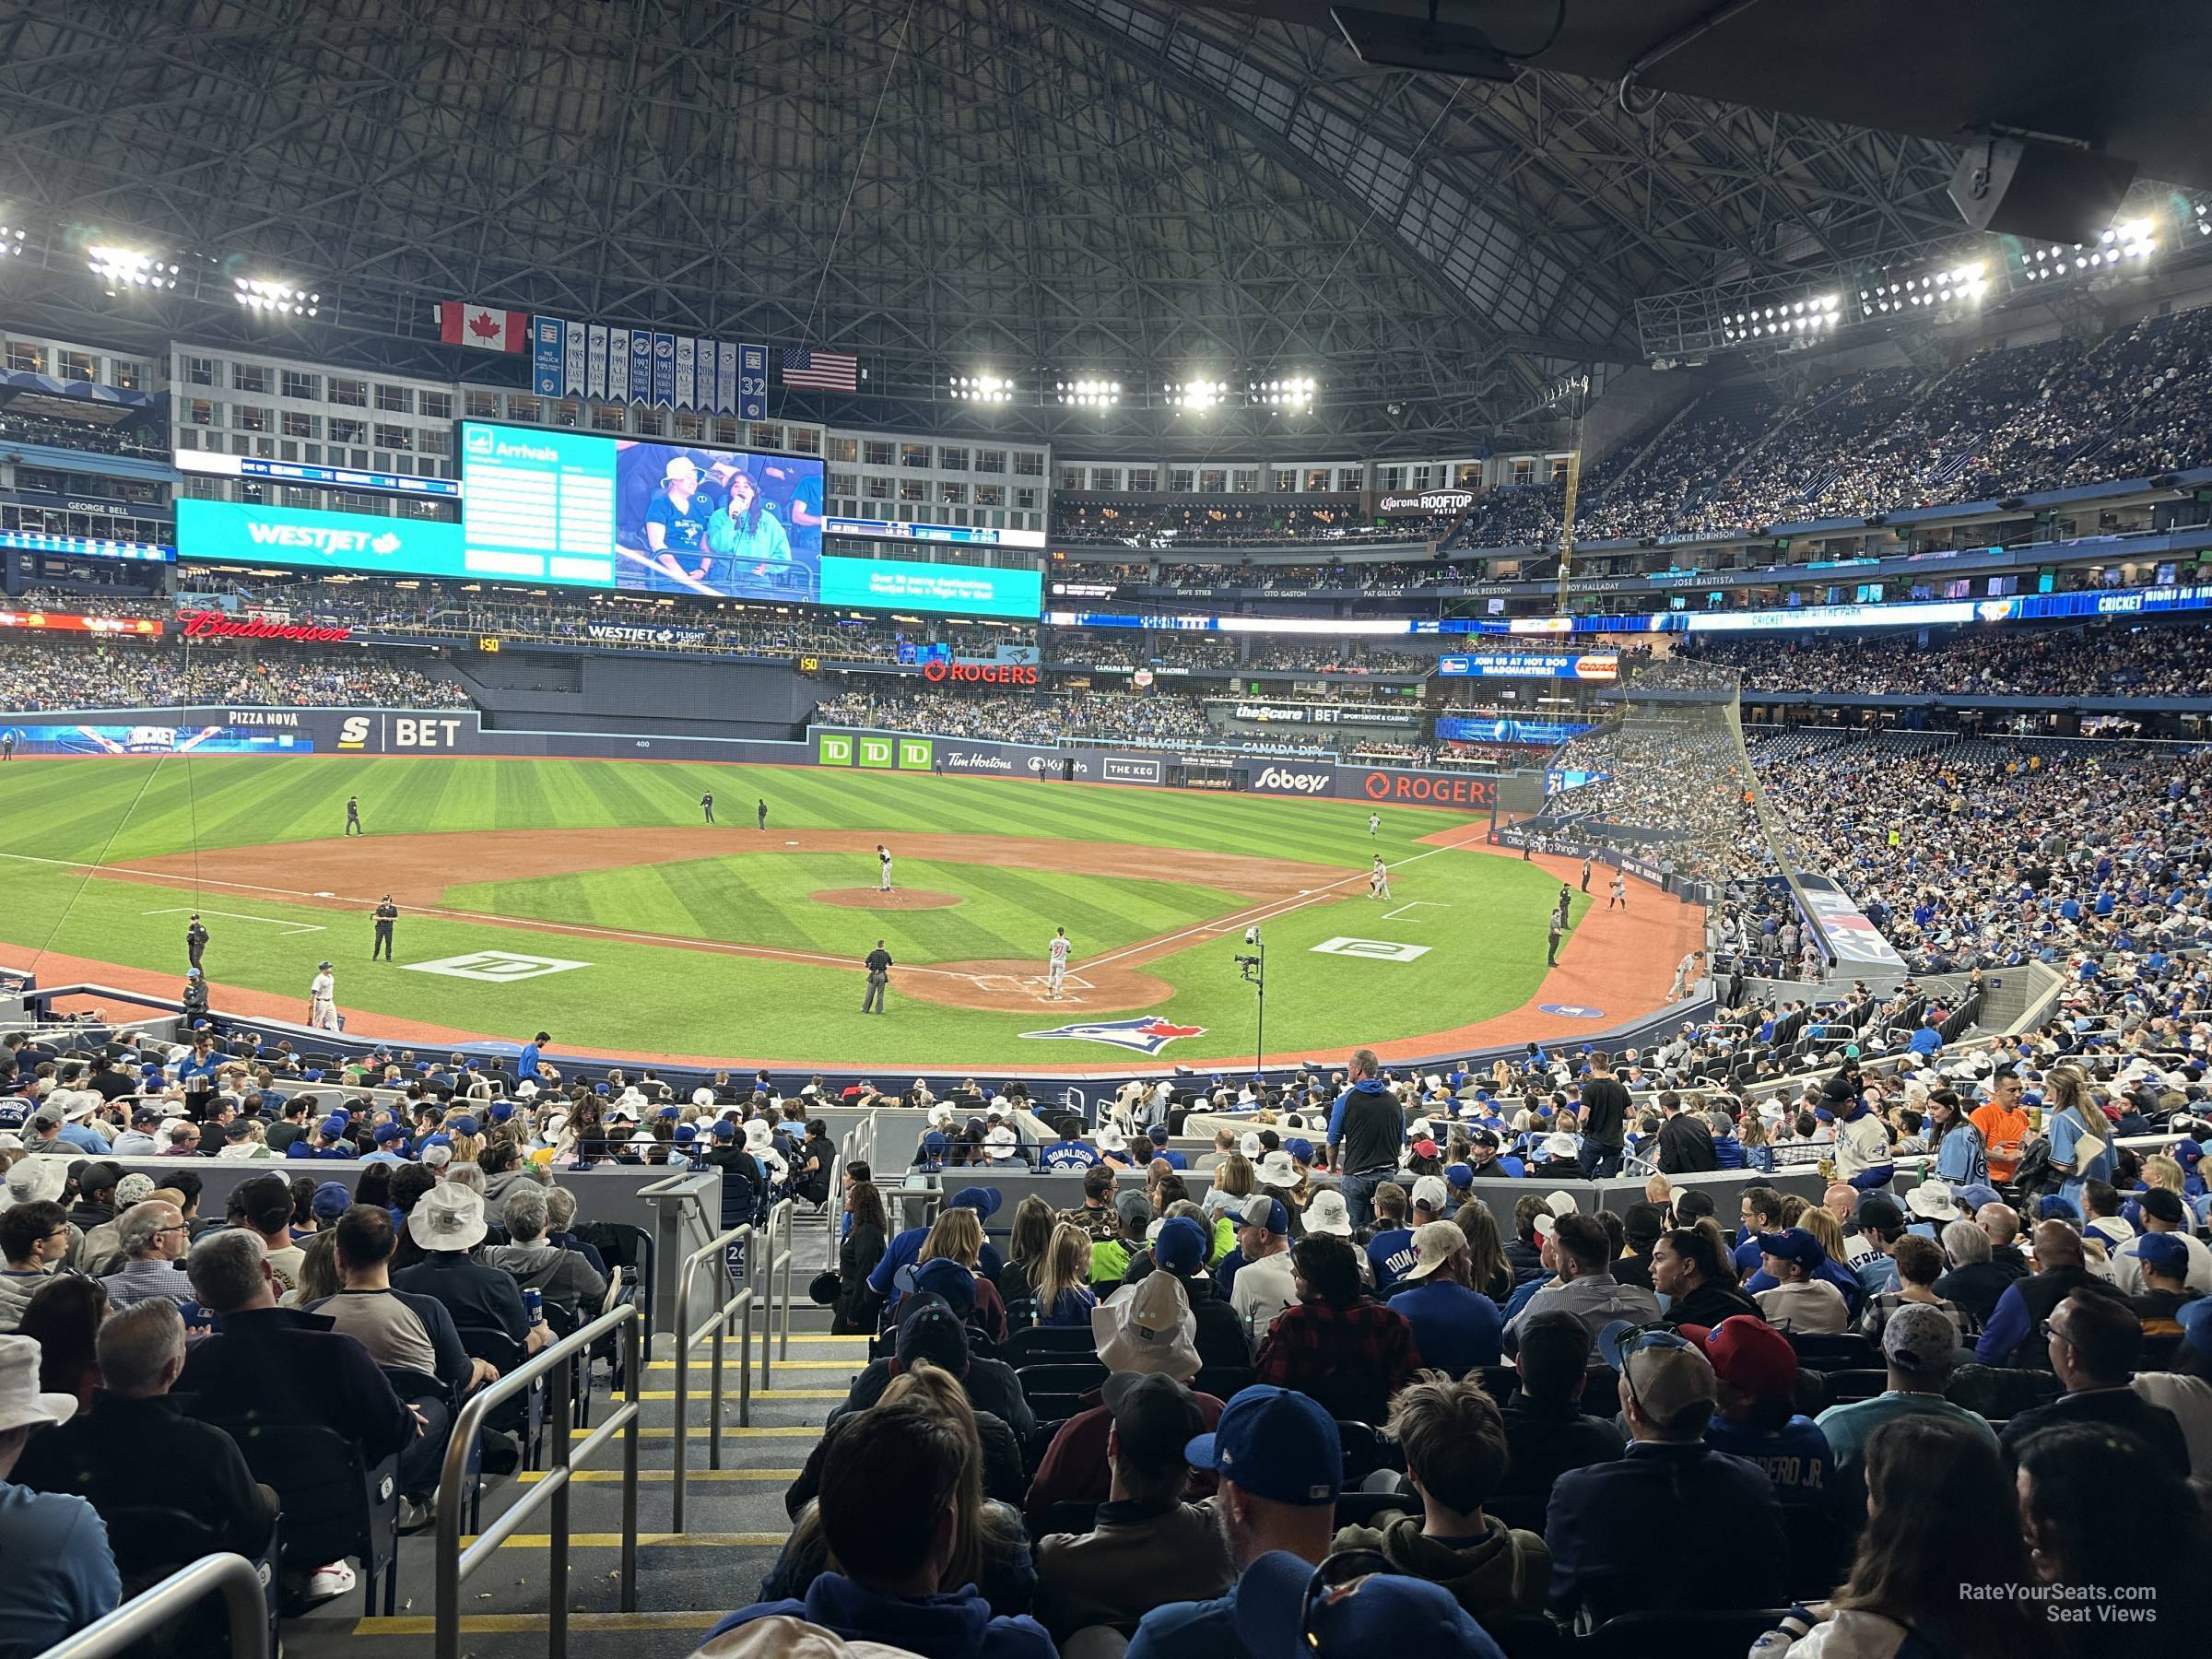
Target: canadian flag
461 323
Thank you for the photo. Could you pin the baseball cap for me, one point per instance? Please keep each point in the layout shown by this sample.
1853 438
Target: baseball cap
1917 1337
2164 1252
1792 1244
985 1201
1180 1247
1132 1208
1276 1443
1158 1135
331 1200
2163 1204
464 1125
335 1125
725 1129
929 1330
1666 1372
1460 1176
1363 1613
1261 1210
2196 1319
1750 1354
1430 1193
948 1279
1299 1148
388 1133
1434 1243
47 1117
1327 1214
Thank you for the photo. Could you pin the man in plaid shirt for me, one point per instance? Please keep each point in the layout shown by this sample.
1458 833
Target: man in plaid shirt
1334 1344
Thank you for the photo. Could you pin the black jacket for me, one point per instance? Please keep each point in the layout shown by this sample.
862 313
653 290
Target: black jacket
1686 1146
1709 1304
112 1455
279 1365
991 1384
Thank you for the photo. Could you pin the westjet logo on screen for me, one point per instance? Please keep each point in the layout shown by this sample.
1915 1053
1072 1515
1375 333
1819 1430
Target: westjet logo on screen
322 538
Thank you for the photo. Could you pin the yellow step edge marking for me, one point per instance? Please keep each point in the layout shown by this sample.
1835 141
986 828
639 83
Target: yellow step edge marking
738 1540
729 1395
500 1624
605 1477
730 1363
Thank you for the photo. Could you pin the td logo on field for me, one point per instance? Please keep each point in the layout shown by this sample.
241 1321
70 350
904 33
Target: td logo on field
495 967
1374 950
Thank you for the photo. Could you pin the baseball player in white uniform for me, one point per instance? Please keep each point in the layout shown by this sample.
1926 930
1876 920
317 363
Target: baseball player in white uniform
1378 879
1618 892
1056 966
322 1000
1374 825
883 860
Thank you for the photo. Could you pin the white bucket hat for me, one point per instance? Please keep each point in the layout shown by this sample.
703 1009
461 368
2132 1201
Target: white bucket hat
1327 1214
41 1177
449 1217
1278 1169
1149 1326
23 1404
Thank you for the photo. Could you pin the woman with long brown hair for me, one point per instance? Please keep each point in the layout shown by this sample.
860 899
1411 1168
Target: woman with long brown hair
867 1233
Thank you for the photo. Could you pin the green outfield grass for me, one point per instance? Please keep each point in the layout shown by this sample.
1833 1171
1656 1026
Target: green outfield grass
1479 919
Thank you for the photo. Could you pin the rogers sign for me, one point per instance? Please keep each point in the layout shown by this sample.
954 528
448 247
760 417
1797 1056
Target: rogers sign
215 625
1433 789
937 671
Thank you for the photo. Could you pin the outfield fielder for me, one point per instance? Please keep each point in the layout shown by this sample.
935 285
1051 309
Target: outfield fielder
1056 967
322 1000
883 860
1374 825
1378 879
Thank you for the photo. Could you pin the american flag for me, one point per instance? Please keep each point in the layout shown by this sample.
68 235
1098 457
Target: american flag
823 370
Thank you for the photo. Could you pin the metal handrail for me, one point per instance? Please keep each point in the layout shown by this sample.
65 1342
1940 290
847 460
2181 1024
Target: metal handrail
771 1328
454 1564
156 1607
738 1307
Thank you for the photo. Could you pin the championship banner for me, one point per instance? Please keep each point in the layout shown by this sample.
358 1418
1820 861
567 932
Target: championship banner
664 368
594 377
686 369
640 366
617 365
571 368
725 379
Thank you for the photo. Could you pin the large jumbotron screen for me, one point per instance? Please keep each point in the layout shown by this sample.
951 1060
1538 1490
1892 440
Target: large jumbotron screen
647 517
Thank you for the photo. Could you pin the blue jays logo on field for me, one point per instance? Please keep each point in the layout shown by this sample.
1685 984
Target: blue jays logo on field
1145 1034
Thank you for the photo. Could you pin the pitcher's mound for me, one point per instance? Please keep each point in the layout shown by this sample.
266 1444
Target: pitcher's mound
897 899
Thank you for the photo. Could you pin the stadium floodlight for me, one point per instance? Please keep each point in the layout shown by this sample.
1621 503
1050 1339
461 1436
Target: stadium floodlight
126 267
1089 392
1801 318
282 298
1197 396
980 388
2131 240
1290 394
11 240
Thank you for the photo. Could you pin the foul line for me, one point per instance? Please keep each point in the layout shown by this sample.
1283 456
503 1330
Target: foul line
1250 915
290 926
1266 911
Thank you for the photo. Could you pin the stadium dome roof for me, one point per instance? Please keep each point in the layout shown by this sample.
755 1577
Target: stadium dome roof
1042 188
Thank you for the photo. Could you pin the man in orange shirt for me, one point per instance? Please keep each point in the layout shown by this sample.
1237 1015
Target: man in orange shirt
2003 1122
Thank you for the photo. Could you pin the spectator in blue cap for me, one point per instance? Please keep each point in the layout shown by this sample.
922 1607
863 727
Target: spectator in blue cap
1801 1300
390 1145
331 1200
1280 1466
1158 1135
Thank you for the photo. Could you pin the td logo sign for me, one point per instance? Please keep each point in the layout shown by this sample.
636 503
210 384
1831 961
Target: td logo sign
878 754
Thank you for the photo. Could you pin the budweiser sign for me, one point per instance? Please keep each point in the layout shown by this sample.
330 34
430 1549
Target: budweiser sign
216 625
937 671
